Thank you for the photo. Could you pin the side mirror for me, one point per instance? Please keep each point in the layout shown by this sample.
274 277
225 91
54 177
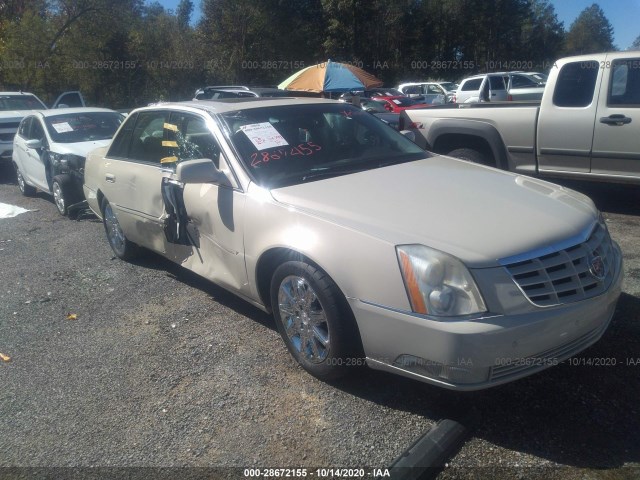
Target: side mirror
34 143
201 170
409 134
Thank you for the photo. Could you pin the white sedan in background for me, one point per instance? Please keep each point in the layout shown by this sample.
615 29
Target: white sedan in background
50 148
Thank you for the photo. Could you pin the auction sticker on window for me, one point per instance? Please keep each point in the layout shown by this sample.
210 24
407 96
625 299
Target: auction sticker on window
263 135
62 127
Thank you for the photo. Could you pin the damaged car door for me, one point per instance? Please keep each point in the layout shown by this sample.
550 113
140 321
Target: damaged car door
203 224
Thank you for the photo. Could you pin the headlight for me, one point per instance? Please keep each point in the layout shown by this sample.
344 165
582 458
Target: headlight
437 283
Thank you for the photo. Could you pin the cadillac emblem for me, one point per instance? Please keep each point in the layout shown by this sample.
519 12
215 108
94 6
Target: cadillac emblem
597 267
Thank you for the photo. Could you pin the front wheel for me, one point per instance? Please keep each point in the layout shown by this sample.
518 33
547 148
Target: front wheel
121 246
313 319
470 155
60 187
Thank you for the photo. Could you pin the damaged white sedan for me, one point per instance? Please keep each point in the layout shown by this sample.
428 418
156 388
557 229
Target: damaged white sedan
364 246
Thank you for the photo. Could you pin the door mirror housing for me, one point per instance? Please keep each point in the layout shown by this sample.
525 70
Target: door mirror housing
34 143
201 170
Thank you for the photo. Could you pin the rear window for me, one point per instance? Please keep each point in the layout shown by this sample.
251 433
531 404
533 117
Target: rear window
471 85
624 83
576 84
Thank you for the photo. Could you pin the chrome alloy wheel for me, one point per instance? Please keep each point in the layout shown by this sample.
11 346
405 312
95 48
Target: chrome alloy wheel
59 198
114 232
304 319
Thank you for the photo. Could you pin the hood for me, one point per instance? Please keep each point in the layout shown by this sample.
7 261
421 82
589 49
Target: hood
478 214
81 149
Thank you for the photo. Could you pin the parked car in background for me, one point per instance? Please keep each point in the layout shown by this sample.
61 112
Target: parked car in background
525 86
585 127
377 108
50 147
396 104
430 90
14 106
358 241
216 93
486 87
372 93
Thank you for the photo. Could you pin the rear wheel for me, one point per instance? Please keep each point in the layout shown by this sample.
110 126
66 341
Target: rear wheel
121 246
25 189
313 319
470 155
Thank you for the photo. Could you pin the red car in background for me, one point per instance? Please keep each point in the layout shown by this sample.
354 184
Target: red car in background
397 104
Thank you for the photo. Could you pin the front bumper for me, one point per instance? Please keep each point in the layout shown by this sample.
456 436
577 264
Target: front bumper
482 352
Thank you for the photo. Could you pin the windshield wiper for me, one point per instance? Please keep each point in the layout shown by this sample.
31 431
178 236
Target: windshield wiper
329 173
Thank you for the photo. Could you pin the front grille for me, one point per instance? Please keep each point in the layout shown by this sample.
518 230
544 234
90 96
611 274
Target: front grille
566 276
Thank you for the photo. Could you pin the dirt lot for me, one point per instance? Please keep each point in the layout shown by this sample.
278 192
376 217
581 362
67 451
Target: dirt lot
162 369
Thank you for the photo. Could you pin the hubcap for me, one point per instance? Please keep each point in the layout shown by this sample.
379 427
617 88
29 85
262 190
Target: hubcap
114 232
58 197
304 319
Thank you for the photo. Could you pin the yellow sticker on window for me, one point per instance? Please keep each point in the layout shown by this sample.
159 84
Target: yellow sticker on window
168 159
171 126
170 143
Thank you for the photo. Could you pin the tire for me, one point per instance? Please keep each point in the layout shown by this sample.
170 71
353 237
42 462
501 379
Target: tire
61 188
313 319
121 246
470 155
25 189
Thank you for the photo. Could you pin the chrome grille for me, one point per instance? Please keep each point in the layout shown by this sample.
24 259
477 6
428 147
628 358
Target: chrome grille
565 276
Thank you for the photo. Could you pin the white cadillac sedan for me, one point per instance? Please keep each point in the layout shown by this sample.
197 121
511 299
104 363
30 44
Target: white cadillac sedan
364 246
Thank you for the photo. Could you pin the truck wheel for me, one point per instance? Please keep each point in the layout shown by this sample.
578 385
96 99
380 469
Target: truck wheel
61 187
470 155
25 189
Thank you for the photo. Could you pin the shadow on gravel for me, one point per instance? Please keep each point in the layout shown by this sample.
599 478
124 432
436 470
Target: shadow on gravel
609 197
149 259
7 174
583 413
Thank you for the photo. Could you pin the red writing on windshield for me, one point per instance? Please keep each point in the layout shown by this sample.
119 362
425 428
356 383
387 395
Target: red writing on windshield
307 148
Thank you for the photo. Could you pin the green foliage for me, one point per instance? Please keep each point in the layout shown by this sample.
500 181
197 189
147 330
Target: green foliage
126 53
591 32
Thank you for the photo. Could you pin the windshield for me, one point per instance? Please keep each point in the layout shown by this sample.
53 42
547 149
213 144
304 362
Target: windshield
83 127
292 144
20 102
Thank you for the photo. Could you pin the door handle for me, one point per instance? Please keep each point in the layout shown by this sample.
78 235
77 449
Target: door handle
110 178
616 120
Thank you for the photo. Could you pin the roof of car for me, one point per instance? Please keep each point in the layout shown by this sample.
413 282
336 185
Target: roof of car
231 104
62 111
16 93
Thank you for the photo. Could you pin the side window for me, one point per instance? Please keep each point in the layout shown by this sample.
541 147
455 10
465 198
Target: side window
433 90
412 90
471 85
576 84
191 139
37 132
120 144
147 142
624 83
497 83
23 129
520 81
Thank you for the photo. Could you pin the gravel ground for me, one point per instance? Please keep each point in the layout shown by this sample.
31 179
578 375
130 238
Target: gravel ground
159 368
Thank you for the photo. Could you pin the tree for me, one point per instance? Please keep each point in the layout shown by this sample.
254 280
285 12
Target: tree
183 13
591 32
636 44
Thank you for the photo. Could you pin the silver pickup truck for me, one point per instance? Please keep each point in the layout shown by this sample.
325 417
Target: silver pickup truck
587 125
